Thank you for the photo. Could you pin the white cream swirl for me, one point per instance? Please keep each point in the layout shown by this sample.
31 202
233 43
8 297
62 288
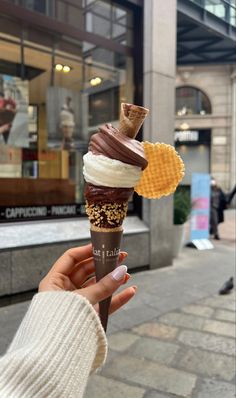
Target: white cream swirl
103 171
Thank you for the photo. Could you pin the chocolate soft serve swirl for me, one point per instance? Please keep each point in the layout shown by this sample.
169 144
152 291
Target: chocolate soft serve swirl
95 194
115 145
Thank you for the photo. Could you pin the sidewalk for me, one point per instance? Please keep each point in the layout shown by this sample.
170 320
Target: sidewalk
175 338
184 353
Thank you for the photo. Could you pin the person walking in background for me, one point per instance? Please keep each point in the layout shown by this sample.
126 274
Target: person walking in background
218 205
231 195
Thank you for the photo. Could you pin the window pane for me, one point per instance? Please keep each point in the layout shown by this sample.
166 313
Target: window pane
190 100
100 17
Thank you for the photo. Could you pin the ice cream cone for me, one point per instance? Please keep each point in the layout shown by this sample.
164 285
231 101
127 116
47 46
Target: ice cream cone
107 192
131 119
106 248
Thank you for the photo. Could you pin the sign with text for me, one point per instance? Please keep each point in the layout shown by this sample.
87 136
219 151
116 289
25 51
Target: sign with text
200 197
23 213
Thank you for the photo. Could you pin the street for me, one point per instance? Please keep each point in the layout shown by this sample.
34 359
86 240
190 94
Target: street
176 338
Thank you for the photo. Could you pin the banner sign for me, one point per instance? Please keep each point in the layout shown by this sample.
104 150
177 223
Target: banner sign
23 213
200 214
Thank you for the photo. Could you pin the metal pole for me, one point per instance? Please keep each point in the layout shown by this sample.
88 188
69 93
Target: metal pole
53 65
22 56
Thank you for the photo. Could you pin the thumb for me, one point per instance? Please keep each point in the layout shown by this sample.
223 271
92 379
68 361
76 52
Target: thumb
106 286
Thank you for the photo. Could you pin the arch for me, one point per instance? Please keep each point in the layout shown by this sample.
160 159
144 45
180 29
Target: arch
192 100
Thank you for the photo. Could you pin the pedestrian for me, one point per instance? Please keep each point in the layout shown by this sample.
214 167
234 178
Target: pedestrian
61 339
218 205
231 195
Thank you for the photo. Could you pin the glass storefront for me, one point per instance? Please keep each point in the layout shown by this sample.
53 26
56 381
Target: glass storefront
54 93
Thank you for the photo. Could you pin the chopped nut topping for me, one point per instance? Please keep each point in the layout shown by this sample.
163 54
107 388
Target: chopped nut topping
107 215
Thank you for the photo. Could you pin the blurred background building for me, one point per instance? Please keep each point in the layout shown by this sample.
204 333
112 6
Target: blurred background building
65 66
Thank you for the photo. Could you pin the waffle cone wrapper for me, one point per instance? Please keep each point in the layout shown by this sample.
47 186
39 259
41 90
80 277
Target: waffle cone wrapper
106 249
131 119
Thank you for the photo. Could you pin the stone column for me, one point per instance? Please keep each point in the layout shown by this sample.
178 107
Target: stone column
159 97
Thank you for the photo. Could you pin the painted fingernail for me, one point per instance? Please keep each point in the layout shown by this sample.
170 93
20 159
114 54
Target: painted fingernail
127 277
119 273
123 255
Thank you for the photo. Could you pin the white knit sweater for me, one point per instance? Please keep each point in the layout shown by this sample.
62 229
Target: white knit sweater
59 342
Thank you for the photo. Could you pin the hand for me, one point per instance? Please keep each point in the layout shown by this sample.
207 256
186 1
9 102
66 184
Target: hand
4 128
74 271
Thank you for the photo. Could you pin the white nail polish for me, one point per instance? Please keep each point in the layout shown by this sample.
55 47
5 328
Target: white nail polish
119 273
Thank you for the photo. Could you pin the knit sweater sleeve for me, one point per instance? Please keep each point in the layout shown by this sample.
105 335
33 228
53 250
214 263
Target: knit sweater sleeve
59 342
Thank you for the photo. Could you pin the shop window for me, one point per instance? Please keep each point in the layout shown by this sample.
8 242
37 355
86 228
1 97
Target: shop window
42 6
50 104
191 101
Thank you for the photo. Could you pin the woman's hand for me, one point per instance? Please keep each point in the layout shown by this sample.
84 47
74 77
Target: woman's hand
74 271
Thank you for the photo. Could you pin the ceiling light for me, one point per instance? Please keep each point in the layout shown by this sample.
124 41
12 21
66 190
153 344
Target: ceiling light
58 67
66 68
184 126
95 81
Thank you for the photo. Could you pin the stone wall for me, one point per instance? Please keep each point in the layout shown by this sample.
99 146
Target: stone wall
22 269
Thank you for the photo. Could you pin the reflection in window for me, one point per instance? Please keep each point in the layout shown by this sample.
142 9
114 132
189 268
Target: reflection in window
190 101
42 6
104 107
216 7
108 20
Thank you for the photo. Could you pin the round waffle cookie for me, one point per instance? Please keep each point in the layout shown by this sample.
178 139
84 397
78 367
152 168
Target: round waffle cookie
164 171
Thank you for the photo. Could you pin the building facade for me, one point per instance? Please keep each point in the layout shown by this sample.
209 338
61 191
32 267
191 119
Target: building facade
206 107
65 66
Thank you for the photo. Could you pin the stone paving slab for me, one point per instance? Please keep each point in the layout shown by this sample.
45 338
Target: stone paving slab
102 387
208 364
216 389
154 394
225 315
209 342
151 375
227 303
200 310
121 341
155 350
218 327
158 330
183 320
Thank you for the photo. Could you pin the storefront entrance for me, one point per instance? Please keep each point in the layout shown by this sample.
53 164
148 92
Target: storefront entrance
194 148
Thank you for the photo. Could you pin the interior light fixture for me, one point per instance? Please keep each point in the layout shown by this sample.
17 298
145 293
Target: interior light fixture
63 68
184 126
58 67
66 68
95 81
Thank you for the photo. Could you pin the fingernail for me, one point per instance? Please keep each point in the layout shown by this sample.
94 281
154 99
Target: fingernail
119 273
135 288
123 255
127 277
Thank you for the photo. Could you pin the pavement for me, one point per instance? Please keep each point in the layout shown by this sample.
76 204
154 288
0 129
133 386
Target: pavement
176 338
